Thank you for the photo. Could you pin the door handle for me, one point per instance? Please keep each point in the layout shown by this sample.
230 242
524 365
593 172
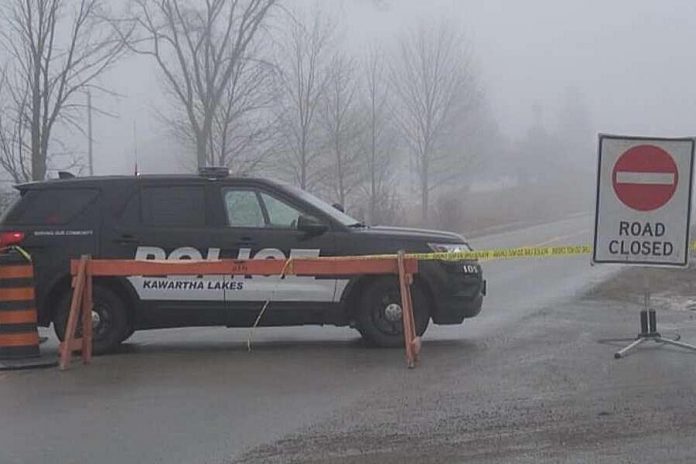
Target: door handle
245 241
126 239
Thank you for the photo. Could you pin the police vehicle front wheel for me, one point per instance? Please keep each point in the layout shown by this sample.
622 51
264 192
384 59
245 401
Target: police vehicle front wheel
109 319
379 313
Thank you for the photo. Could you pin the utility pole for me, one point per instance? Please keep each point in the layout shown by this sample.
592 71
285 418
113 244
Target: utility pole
89 134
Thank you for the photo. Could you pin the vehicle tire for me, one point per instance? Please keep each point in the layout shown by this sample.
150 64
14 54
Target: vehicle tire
379 312
110 321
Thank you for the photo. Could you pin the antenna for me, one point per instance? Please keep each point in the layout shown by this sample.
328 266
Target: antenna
90 145
135 147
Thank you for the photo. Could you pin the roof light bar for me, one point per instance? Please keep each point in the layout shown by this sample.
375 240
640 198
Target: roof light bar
216 172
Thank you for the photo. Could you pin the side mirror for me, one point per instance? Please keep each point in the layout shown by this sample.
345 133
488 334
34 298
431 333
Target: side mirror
339 207
311 225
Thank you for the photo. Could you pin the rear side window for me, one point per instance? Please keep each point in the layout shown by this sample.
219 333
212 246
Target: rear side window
49 206
173 206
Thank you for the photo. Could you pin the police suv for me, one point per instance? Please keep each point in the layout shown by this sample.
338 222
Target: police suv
212 216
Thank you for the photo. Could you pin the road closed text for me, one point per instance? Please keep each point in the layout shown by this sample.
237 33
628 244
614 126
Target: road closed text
641 238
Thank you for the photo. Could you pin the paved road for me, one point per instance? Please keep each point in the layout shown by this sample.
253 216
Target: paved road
196 395
520 286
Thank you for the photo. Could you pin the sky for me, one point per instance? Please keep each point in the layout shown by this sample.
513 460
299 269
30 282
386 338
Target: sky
632 61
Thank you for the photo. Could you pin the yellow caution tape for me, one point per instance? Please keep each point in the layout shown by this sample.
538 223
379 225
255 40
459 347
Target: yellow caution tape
511 253
505 253
483 255
22 252
19 250
498 253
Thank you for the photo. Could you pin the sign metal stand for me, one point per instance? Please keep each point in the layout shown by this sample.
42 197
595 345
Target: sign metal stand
648 328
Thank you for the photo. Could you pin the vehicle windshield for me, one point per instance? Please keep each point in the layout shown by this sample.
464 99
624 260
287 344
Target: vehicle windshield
320 204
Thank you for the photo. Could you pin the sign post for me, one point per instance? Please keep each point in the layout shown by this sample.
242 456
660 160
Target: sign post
643 210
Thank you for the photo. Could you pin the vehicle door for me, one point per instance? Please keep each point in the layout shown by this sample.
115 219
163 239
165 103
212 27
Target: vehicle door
165 221
263 224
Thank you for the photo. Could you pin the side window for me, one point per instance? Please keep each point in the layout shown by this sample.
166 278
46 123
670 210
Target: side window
173 206
49 206
280 214
243 209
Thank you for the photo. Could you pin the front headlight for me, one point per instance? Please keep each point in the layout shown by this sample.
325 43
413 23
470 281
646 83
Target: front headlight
449 247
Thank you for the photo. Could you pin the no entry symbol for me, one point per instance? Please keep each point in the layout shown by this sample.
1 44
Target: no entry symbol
645 177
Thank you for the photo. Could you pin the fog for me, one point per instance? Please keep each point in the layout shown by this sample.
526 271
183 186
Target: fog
631 59
622 66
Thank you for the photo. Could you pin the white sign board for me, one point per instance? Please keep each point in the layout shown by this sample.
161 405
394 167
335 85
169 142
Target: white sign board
643 206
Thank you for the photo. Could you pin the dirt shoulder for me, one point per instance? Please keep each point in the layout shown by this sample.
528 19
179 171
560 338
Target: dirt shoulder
671 289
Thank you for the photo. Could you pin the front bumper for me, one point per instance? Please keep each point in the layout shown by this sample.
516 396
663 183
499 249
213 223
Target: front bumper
458 288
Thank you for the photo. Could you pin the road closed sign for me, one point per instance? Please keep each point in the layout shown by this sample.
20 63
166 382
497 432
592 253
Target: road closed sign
643 200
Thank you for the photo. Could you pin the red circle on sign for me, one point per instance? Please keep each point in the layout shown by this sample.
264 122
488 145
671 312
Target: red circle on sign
645 177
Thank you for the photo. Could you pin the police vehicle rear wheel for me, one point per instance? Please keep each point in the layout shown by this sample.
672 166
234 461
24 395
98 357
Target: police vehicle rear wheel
379 314
109 320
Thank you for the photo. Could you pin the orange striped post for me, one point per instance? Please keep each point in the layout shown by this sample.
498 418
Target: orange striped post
85 269
19 336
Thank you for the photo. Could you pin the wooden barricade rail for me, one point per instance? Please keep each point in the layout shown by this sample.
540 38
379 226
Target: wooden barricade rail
85 269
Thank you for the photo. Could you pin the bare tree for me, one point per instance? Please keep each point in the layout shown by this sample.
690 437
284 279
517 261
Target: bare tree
56 49
433 82
303 58
243 126
342 126
448 211
201 50
574 132
379 142
15 140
